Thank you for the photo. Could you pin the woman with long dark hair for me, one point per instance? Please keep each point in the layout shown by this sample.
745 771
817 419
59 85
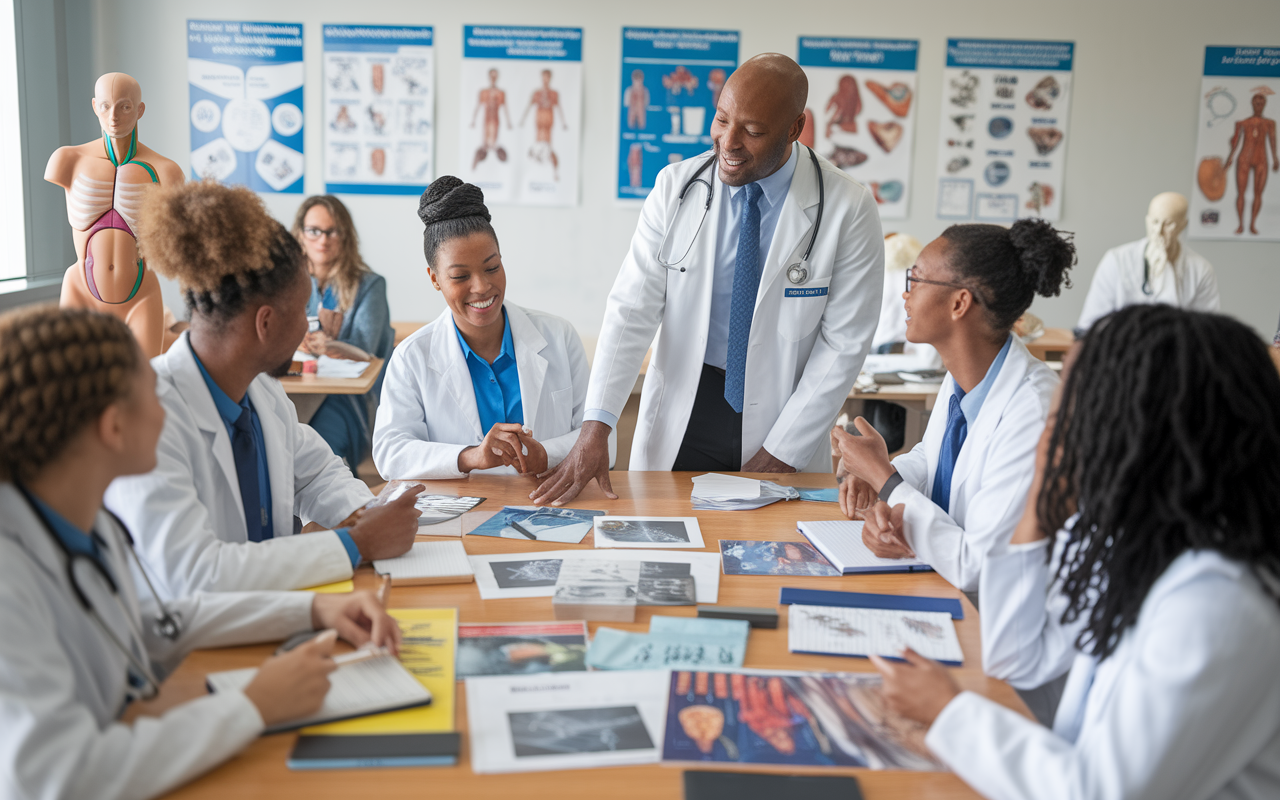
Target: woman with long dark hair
1158 473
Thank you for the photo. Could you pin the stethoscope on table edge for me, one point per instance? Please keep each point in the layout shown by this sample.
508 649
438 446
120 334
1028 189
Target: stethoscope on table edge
168 624
797 273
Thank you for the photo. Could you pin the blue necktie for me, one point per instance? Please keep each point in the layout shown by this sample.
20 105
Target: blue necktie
746 283
245 453
952 441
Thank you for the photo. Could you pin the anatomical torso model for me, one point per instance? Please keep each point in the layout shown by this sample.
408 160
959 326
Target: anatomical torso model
105 182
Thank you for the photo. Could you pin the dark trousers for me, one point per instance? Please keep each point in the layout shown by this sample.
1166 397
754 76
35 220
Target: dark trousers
713 438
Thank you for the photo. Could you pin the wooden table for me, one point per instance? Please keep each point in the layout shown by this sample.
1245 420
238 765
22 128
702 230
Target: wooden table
1053 344
310 383
260 772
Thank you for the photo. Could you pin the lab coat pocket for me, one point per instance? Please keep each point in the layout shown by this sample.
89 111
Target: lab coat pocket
559 415
802 307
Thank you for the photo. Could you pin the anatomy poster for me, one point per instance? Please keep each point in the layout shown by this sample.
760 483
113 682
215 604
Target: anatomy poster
246 103
521 113
1003 139
671 82
862 112
1236 154
379 101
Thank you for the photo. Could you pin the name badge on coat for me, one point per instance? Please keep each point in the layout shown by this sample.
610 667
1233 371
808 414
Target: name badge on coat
812 291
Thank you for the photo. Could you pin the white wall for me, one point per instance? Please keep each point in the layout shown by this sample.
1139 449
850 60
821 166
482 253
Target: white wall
1134 112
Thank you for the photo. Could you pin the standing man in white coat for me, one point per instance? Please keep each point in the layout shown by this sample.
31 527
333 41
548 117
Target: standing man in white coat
762 264
234 466
1157 269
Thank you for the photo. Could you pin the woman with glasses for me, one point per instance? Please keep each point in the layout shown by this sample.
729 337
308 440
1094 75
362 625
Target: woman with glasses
961 490
354 320
83 633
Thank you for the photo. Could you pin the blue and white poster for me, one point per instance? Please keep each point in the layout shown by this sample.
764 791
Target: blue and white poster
671 82
246 103
1003 134
379 109
1236 154
861 112
520 126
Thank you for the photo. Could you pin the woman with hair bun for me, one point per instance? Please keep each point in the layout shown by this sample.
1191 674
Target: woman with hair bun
961 490
487 386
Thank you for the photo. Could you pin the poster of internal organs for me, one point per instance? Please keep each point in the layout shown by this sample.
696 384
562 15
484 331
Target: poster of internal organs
379 101
861 112
246 103
671 82
520 125
1236 154
1003 139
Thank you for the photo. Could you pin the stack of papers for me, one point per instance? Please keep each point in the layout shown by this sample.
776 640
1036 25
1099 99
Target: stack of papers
534 574
428 563
339 368
672 643
597 590
717 492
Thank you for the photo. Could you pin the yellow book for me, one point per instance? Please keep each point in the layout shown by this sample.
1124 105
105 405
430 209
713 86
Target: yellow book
430 635
332 588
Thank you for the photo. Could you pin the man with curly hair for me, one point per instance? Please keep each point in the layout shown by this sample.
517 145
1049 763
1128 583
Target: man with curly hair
234 465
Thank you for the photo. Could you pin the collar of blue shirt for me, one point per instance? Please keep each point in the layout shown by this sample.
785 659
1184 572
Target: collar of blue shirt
508 346
74 539
776 186
971 403
228 409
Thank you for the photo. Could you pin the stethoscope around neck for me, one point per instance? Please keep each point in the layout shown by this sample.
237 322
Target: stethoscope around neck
797 273
168 624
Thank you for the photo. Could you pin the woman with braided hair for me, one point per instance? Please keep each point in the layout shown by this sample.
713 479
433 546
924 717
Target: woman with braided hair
234 465
960 491
488 385
79 639
1159 594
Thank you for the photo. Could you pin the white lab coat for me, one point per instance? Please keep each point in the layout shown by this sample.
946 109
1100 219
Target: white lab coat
428 413
992 475
804 352
63 682
187 515
1187 283
1186 708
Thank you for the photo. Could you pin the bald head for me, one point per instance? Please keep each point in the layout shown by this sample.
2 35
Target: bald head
760 115
117 102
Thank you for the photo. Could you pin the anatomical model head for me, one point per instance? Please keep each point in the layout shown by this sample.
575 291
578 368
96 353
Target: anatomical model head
900 251
761 112
117 102
1166 219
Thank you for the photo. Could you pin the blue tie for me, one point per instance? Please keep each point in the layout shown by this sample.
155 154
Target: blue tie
746 283
245 453
952 441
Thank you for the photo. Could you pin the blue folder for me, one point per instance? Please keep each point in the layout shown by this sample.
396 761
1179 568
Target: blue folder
896 602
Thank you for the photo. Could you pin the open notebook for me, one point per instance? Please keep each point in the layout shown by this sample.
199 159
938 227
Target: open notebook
356 689
840 541
428 563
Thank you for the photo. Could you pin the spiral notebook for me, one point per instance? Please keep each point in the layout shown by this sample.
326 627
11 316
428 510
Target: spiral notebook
428 563
840 542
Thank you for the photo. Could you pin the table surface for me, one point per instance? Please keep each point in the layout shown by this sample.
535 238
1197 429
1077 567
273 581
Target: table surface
260 772
309 383
1055 341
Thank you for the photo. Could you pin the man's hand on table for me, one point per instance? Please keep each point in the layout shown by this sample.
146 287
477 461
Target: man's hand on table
588 459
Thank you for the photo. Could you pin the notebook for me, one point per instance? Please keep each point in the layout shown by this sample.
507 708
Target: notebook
717 785
861 632
356 689
818 597
375 750
427 563
840 541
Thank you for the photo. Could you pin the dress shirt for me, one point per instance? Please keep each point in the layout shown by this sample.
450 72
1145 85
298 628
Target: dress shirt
497 385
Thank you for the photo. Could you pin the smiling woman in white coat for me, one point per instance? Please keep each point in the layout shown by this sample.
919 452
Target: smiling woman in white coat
960 491
488 386
1162 595
78 640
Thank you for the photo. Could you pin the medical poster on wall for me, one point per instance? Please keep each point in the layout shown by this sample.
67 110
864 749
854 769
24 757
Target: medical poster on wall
1003 135
861 111
671 82
379 109
520 125
1236 158
246 103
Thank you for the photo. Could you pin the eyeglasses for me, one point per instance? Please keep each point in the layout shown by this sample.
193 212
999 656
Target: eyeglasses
977 298
316 233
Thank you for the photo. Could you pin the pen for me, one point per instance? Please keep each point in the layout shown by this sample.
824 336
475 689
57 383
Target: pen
363 654
521 529
384 591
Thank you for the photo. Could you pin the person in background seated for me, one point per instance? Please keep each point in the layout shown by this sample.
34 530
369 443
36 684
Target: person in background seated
1147 568
78 640
488 385
234 465
355 322
960 491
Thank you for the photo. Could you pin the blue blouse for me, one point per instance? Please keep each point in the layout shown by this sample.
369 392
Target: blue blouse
497 385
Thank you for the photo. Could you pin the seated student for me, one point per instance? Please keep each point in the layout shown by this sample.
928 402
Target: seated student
962 488
234 466
1159 474
488 385
78 639
351 302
